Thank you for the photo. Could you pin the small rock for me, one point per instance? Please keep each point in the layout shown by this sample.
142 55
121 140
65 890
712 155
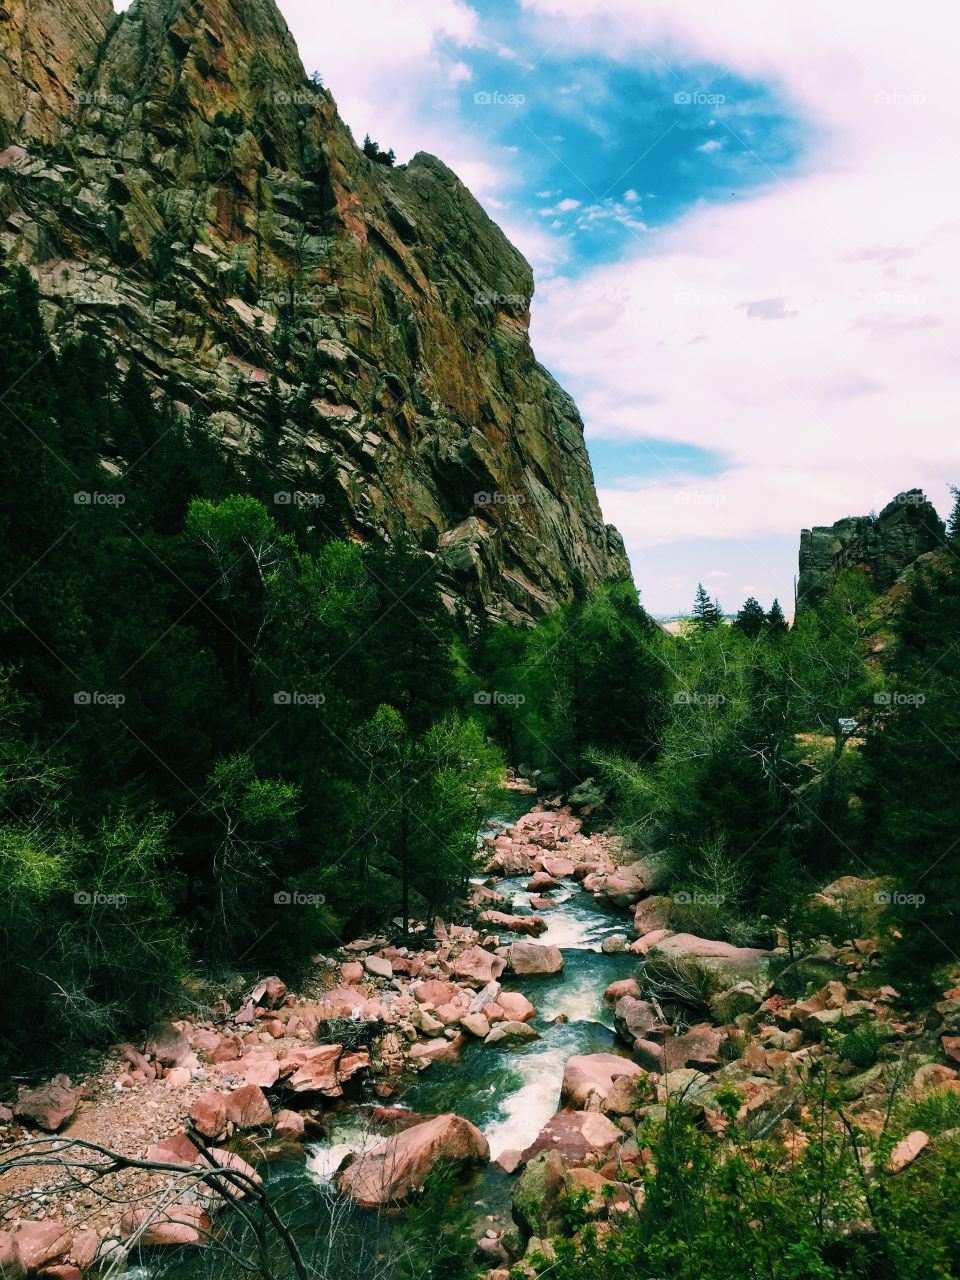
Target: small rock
906 1152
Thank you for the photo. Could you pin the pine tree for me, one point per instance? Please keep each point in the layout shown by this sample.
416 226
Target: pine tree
706 612
776 622
953 523
751 618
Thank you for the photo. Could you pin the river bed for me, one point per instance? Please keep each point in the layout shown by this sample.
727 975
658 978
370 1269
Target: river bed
508 1092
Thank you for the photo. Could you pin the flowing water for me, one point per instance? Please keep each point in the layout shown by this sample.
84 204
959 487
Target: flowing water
508 1092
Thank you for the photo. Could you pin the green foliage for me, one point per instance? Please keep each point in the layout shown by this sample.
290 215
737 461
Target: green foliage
744 1206
707 613
372 151
190 655
910 791
591 674
935 1112
751 619
862 1045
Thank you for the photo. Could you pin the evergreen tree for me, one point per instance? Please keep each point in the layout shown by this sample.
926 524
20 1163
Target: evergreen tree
751 618
776 622
953 522
706 612
408 648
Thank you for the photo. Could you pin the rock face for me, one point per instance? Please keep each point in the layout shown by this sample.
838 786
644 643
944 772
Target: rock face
173 173
882 545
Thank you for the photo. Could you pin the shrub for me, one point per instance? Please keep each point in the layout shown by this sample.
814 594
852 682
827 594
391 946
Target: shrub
934 1113
679 980
862 1046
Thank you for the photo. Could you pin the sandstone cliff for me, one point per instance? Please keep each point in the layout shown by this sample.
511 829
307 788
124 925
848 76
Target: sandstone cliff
883 545
174 174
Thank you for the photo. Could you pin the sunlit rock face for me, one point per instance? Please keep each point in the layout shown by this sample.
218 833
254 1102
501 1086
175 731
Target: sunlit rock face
174 173
882 545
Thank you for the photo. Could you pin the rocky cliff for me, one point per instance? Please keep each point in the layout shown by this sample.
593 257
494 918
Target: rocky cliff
173 174
883 545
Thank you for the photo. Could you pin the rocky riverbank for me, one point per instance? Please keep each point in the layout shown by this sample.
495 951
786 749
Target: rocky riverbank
266 1075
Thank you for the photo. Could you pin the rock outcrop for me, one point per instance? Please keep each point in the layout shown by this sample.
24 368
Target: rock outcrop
174 174
883 546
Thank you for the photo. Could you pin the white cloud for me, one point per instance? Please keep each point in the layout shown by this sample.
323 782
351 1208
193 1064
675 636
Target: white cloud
712 144
854 392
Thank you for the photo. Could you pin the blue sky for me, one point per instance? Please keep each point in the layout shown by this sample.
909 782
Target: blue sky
741 217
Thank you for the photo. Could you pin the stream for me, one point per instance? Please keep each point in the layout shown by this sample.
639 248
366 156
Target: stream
509 1093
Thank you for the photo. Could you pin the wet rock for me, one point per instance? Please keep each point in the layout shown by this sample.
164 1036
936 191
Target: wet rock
635 1019
396 1168
290 1125
542 880
528 958
622 987
576 1135
505 1032
532 926
537 1191
515 1006
613 944
478 967
648 941
439 1050
627 885
50 1105
652 913
476 1024
589 1077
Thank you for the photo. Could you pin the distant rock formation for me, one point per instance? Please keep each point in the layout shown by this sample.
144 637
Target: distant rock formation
883 546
